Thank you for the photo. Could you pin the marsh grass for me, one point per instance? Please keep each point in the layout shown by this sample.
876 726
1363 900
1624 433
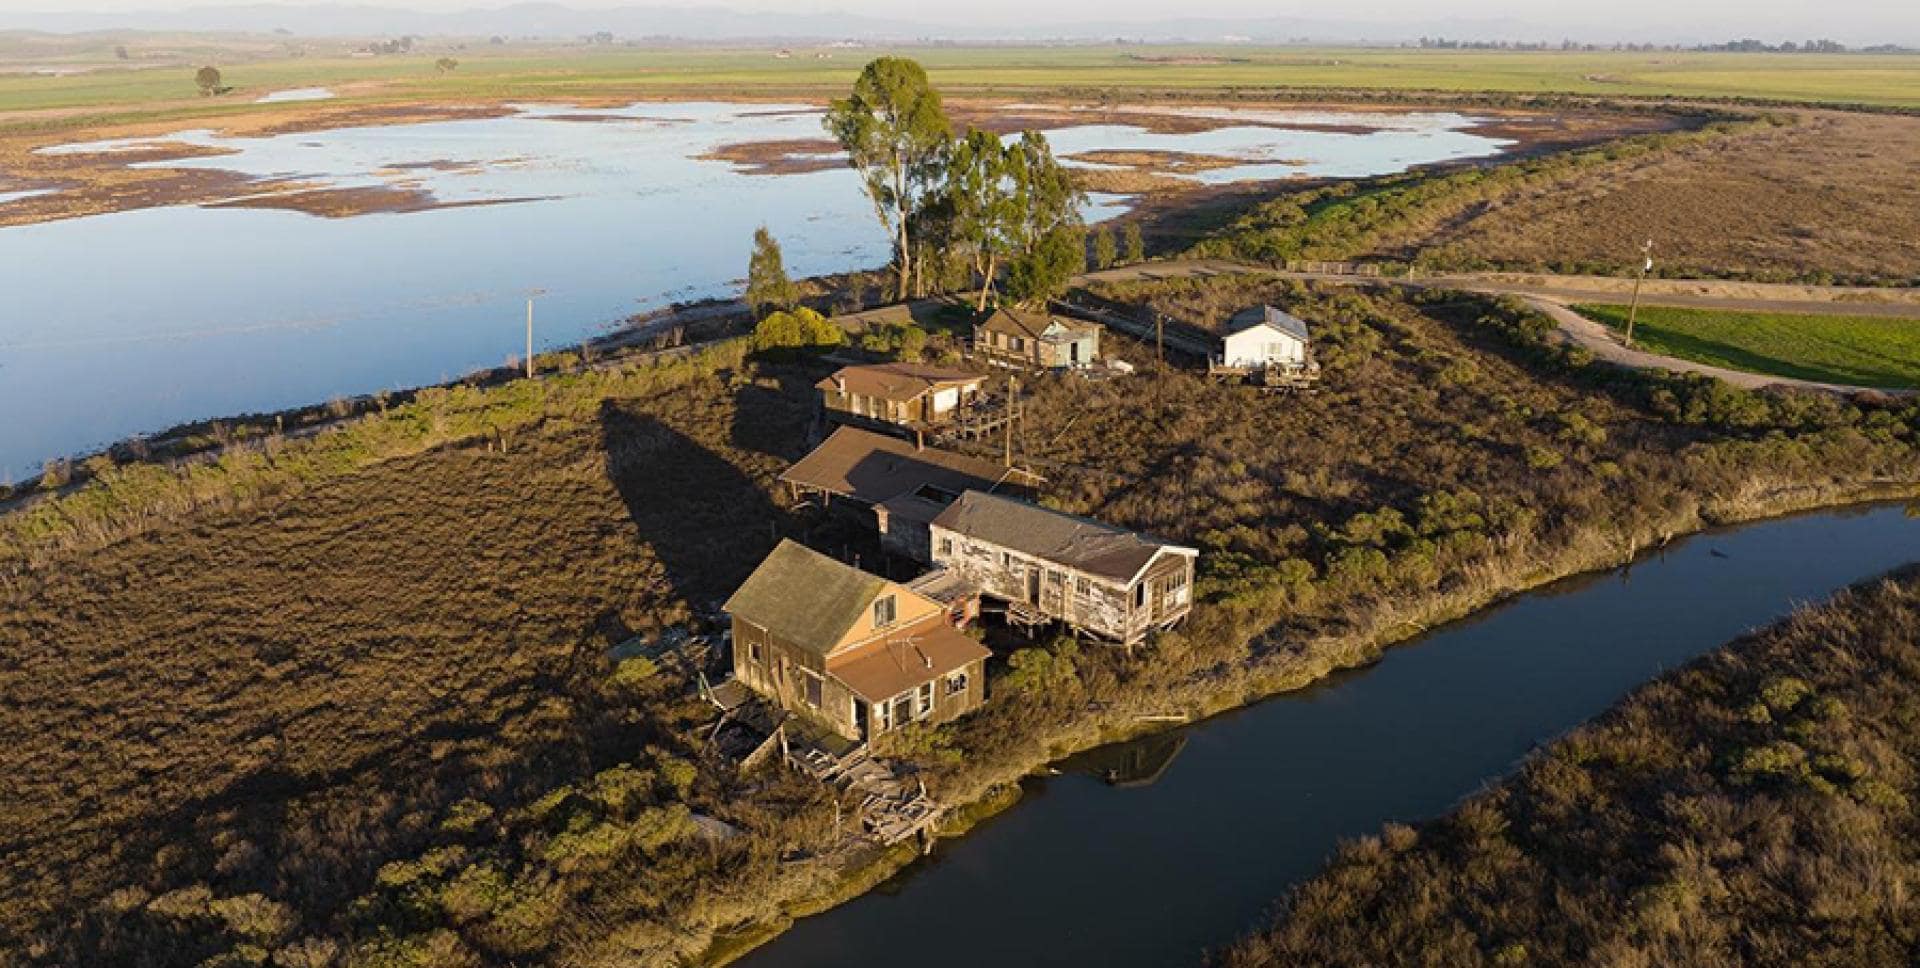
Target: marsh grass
363 676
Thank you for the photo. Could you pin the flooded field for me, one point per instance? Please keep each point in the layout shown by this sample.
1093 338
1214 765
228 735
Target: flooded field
133 321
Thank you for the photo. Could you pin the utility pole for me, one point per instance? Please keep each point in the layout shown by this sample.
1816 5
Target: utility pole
1011 415
530 298
1633 308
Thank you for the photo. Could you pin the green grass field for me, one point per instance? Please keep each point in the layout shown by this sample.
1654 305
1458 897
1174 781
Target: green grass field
1871 351
1875 79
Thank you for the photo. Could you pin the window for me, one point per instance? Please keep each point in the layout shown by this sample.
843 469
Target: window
814 688
1057 578
1175 589
883 612
922 700
956 682
1006 559
1140 595
1082 586
753 653
1019 345
882 716
946 547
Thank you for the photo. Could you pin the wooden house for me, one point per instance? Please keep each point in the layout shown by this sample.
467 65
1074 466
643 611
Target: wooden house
1093 577
1017 337
852 650
896 485
908 395
1266 345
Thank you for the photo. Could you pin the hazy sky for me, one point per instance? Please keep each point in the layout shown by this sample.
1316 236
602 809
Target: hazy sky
1767 19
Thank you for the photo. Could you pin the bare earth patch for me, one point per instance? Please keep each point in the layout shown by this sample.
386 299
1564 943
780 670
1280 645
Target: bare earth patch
361 200
1179 162
791 156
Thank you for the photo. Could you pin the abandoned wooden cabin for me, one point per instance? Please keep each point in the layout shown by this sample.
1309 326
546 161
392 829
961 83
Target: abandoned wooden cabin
911 396
1046 565
1038 340
850 650
1267 346
895 486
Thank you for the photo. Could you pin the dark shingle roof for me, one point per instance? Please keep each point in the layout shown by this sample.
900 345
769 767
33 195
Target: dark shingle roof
1080 543
805 597
1285 322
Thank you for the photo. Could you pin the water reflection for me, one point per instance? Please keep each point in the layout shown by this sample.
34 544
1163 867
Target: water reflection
132 322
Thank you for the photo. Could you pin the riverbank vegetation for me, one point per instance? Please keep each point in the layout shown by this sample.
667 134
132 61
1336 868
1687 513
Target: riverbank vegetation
352 699
1868 351
1753 807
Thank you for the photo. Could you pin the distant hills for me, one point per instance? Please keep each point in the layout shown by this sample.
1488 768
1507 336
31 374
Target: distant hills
556 20
549 20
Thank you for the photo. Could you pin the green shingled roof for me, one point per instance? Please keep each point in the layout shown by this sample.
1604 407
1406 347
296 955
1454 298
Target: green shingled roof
805 597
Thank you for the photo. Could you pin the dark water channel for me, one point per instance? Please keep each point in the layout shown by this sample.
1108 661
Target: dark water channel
1086 873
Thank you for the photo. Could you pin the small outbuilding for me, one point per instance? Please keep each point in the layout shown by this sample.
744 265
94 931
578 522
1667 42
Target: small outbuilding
851 650
1047 565
1265 336
1266 346
1018 337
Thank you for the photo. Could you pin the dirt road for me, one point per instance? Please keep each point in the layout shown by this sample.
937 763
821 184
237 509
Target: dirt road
1552 294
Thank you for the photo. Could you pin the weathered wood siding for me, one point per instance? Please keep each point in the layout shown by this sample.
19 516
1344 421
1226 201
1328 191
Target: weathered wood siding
903 537
875 408
781 671
1102 606
947 704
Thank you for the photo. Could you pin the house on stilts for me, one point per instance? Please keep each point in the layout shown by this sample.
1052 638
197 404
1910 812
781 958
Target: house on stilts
1048 566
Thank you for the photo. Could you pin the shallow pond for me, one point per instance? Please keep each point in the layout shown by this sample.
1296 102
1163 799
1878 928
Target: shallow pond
131 322
1083 873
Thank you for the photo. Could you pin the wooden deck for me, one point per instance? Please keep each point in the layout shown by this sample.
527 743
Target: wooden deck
893 805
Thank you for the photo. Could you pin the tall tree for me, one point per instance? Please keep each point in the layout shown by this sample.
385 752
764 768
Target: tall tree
1047 197
1105 249
1042 273
1136 247
1050 237
894 130
209 80
980 185
767 284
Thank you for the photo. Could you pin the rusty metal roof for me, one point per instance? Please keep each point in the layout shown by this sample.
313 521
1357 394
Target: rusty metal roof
1082 544
881 670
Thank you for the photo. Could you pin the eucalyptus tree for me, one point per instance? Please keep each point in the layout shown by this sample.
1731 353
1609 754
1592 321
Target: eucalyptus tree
894 132
1047 197
986 206
1050 236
